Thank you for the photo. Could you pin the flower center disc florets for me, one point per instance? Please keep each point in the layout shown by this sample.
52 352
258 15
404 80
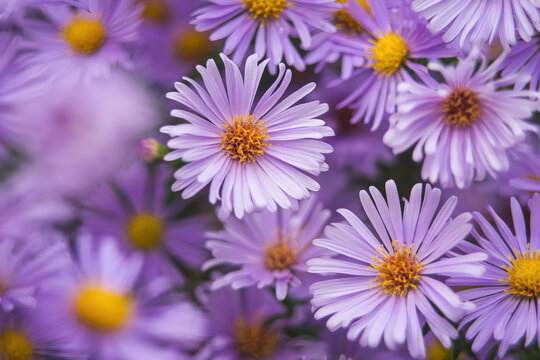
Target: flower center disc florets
191 45
84 35
461 108
254 341
265 9
346 22
398 273
145 231
524 274
14 345
245 139
155 10
280 255
389 53
101 309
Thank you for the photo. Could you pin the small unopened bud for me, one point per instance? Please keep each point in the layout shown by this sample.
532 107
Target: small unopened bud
149 149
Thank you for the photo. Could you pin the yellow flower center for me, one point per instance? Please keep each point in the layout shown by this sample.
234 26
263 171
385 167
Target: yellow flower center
245 139
253 340
281 254
145 231
265 9
346 22
191 45
102 310
155 10
14 345
524 274
389 53
461 108
398 272
84 35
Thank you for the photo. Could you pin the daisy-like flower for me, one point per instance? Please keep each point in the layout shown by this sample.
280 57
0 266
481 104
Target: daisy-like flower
252 152
85 43
388 282
506 296
270 247
271 23
525 57
134 210
243 329
169 46
33 335
395 37
106 306
481 21
344 43
28 267
461 128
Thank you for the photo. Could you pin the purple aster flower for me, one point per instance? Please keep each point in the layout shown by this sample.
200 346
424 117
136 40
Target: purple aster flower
32 335
506 296
106 307
134 210
271 248
524 173
480 21
525 56
390 281
396 37
254 153
28 266
169 46
84 44
463 127
241 328
345 44
271 23
75 137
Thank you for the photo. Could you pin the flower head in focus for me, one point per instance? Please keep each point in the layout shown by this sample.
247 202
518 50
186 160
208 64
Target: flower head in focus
271 23
388 282
252 152
270 247
463 127
506 296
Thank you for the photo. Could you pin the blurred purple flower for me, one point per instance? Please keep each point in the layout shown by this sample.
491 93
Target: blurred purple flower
241 329
134 210
81 44
250 153
390 281
396 37
506 296
481 21
463 127
272 24
270 247
525 57
106 307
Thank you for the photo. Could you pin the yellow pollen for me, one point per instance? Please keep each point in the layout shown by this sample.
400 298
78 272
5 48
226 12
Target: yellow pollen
346 22
191 45
265 9
253 340
84 35
280 255
102 310
245 139
155 10
145 231
389 53
461 108
398 273
524 274
14 345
